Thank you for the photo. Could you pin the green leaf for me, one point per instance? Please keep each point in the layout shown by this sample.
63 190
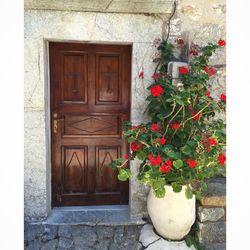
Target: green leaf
186 150
160 192
178 164
197 195
189 193
141 155
124 174
176 187
158 187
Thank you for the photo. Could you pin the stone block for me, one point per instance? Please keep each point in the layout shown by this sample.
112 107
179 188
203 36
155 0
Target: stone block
32 231
65 243
215 195
210 213
118 235
51 245
215 246
104 232
64 231
50 232
84 231
212 232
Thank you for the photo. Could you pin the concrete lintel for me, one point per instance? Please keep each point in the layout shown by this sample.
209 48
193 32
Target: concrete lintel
105 6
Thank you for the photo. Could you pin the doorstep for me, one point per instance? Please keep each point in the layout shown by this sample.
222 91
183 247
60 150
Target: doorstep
91 216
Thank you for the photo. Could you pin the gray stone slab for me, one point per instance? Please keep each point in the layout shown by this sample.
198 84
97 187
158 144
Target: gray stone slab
212 232
148 236
162 244
210 213
102 215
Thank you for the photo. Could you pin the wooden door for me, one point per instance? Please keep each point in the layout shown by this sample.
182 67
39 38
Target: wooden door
90 100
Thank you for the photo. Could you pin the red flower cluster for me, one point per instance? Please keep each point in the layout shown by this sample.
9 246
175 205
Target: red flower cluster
126 157
141 75
166 167
212 141
208 94
183 70
155 127
209 71
221 43
222 159
163 141
175 126
196 117
154 160
194 52
223 97
156 90
135 147
192 163
156 76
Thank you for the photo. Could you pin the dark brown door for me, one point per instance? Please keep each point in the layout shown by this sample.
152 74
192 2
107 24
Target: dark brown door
90 100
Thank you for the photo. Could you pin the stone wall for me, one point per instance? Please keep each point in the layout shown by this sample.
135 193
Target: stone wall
81 237
43 26
211 216
198 21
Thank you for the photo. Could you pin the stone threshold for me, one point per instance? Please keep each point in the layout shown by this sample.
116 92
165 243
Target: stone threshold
114 215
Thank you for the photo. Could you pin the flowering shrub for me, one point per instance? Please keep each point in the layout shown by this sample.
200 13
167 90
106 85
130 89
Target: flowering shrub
184 142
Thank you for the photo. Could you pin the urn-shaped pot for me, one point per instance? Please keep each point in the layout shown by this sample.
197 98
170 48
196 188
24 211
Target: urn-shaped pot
173 215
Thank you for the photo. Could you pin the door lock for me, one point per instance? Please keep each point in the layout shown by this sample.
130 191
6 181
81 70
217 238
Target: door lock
55 122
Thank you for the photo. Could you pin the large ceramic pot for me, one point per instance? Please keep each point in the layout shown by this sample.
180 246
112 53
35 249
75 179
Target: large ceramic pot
173 215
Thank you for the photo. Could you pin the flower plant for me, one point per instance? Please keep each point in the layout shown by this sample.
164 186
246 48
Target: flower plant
184 142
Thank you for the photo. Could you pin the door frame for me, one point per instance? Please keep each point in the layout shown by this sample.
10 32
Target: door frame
48 112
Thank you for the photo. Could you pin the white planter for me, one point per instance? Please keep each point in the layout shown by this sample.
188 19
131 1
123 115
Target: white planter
173 215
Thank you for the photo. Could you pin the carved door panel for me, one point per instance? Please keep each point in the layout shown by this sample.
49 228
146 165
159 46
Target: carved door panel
90 100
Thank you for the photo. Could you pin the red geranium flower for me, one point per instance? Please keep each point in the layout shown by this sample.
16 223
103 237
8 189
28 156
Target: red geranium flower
168 162
156 90
155 127
223 97
154 160
126 156
165 168
208 94
192 163
163 141
156 76
209 71
135 147
212 141
221 42
141 75
183 70
222 159
196 117
175 126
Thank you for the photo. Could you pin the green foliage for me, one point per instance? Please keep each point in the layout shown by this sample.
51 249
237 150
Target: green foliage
124 174
182 143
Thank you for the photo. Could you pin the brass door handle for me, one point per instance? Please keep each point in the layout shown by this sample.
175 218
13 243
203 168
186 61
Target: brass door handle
55 122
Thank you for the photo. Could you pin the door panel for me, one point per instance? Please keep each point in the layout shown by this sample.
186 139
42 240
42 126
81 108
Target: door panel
90 100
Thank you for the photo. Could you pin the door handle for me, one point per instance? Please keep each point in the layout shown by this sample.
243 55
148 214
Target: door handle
55 122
